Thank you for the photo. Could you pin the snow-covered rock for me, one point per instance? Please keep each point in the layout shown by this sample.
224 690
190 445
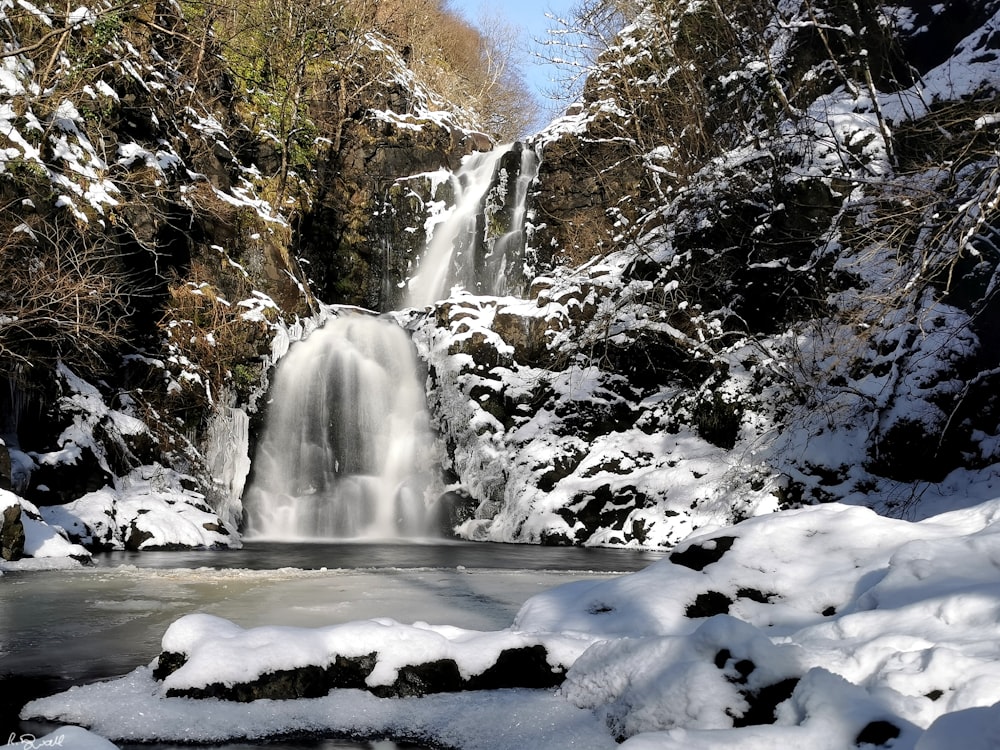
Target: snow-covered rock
152 510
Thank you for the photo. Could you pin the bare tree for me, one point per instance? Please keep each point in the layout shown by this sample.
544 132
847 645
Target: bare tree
66 297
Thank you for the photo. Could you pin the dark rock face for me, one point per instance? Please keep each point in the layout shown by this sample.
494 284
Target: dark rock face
763 701
579 180
524 667
879 733
135 537
708 604
606 509
527 666
366 227
289 684
5 475
55 484
11 533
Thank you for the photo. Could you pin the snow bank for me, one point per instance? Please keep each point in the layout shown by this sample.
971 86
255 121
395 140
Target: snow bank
151 510
217 650
47 546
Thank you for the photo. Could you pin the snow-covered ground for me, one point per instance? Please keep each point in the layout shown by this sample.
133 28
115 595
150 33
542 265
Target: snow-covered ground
831 626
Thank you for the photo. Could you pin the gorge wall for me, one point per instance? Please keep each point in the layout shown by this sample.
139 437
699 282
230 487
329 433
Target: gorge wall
758 264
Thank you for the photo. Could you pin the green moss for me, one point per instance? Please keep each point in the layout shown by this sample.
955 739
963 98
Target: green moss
245 379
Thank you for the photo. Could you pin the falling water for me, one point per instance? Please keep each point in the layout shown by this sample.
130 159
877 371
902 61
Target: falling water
476 243
347 448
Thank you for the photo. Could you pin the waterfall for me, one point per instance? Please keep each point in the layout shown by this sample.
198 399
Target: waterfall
477 244
347 447
347 450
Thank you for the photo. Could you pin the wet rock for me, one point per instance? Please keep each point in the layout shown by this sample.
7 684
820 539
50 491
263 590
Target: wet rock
344 237
527 666
457 506
708 604
604 508
699 556
55 480
135 537
877 733
763 702
11 533
439 676
310 681
167 663
562 465
523 667
755 595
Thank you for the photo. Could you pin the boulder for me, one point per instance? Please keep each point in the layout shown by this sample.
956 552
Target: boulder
11 533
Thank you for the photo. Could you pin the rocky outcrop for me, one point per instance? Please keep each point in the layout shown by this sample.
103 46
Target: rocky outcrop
524 667
384 657
365 226
562 431
584 185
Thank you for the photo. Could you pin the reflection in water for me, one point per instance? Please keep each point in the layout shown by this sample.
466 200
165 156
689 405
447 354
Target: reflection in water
360 554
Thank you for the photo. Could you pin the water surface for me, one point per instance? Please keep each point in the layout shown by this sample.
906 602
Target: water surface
61 628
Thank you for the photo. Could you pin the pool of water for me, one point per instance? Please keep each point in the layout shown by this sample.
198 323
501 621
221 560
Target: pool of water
62 628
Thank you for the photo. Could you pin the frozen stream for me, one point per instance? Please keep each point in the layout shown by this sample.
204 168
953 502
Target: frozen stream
59 628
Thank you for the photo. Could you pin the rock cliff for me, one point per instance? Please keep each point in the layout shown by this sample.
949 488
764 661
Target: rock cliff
764 258
756 268
172 209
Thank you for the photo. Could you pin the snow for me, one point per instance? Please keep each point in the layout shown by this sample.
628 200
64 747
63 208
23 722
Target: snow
149 510
501 720
42 540
864 621
218 650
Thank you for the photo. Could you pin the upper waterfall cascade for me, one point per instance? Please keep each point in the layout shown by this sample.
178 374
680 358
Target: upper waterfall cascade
347 450
477 243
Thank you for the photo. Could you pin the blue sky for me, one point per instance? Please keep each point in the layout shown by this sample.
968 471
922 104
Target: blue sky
529 15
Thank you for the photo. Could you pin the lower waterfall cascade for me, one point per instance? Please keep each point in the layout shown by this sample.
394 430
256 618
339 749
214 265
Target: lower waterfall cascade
347 447
347 450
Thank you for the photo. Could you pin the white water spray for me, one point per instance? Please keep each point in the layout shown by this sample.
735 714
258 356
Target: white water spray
472 244
347 449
